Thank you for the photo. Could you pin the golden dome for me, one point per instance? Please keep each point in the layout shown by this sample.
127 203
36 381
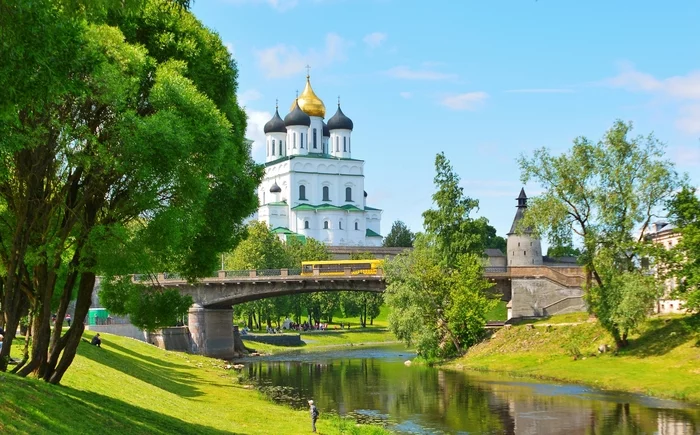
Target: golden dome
310 103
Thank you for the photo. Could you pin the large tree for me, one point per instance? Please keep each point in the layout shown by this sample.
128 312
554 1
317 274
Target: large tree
365 305
437 292
604 194
683 263
123 152
400 236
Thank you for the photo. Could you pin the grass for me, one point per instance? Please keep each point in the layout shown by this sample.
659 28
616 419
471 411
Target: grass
663 358
129 387
499 312
322 340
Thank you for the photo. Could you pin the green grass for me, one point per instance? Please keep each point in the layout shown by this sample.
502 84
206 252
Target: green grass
663 358
499 312
129 387
323 340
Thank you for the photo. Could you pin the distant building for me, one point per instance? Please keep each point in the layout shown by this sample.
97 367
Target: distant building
312 186
668 236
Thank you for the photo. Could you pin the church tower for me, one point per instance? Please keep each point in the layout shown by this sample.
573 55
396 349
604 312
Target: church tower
523 249
313 106
340 127
275 135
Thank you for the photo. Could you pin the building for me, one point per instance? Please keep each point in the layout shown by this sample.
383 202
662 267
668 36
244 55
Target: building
313 187
667 235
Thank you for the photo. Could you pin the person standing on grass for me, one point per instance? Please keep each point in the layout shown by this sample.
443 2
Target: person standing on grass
68 319
314 415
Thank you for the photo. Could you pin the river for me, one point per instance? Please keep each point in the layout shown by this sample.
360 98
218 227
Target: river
374 385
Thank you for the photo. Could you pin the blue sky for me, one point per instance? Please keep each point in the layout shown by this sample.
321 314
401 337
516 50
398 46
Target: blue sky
482 81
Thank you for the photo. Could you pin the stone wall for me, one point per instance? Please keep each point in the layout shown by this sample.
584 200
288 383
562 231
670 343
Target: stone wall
542 296
174 338
276 339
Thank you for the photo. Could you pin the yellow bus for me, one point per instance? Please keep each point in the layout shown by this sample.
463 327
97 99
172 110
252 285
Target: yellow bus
338 267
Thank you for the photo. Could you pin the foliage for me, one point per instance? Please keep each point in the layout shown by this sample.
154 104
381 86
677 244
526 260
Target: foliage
684 261
455 232
366 305
123 148
605 193
260 249
400 236
563 251
494 241
437 309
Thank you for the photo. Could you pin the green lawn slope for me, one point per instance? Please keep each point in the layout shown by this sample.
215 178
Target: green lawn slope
663 358
318 341
129 387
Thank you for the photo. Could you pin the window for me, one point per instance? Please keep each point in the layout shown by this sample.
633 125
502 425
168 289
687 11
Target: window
348 194
357 226
281 147
337 148
302 193
326 225
345 144
314 138
301 141
273 147
525 253
348 144
325 194
340 225
294 140
306 225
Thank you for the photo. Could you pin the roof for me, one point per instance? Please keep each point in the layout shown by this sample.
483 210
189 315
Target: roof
370 233
310 207
520 213
297 117
310 155
282 230
372 208
275 125
339 121
278 203
492 252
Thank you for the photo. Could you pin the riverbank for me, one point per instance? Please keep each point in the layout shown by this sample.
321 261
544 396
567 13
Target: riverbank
131 387
317 341
662 360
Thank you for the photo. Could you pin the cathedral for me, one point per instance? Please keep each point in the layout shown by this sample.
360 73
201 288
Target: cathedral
312 186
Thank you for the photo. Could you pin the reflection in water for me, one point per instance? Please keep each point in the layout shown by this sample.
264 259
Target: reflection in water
373 385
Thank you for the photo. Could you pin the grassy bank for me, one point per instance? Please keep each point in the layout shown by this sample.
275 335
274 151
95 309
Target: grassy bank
129 387
663 358
324 340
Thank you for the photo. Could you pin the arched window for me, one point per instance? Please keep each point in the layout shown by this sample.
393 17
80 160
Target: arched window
357 226
349 149
315 138
301 141
326 225
326 196
306 225
281 142
348 194
340 225
302 193
337 147
345 144
294 140
273 147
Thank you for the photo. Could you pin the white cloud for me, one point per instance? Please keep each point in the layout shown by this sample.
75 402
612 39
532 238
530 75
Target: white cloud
374 40
406 95
230 48
404 72
256 123
249 95
689 120
687 156
540 91
466 101
284 60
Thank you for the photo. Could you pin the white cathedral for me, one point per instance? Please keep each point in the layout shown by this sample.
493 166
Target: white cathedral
312 186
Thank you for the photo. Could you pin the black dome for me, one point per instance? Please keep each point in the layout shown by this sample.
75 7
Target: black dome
326 131
275 125
365 194
297 117
275 188
339 121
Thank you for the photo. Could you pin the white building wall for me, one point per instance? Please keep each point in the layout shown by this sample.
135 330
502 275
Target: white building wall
278 140
340 141
317 124
523 250
297 140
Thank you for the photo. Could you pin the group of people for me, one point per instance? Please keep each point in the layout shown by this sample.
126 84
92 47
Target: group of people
68 319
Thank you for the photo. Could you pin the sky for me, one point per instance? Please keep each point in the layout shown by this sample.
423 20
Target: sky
484 82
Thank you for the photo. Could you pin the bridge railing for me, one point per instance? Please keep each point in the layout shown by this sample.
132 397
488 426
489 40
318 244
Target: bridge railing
495 269
252 273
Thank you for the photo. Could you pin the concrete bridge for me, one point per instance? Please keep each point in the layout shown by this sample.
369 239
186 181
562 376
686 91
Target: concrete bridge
210 318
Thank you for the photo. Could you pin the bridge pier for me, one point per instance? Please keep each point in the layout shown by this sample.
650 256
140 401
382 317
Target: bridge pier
211 331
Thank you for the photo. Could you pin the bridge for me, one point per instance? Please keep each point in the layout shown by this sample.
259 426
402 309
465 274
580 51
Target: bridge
210 318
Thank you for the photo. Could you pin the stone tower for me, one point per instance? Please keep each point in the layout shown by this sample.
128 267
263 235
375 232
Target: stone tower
523 249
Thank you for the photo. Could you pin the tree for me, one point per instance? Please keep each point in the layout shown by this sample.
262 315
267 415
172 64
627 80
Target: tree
123 153
494 241
605 193
454 230
683 263
399 236
437 292
438 309
563 251
308 250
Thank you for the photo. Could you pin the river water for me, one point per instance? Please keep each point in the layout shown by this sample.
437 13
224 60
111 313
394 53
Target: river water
374 385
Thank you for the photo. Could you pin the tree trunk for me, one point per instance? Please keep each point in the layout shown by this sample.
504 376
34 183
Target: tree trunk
25 353
250 321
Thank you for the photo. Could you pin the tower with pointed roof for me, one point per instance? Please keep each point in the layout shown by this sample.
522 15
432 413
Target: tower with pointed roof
523 249
312 186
